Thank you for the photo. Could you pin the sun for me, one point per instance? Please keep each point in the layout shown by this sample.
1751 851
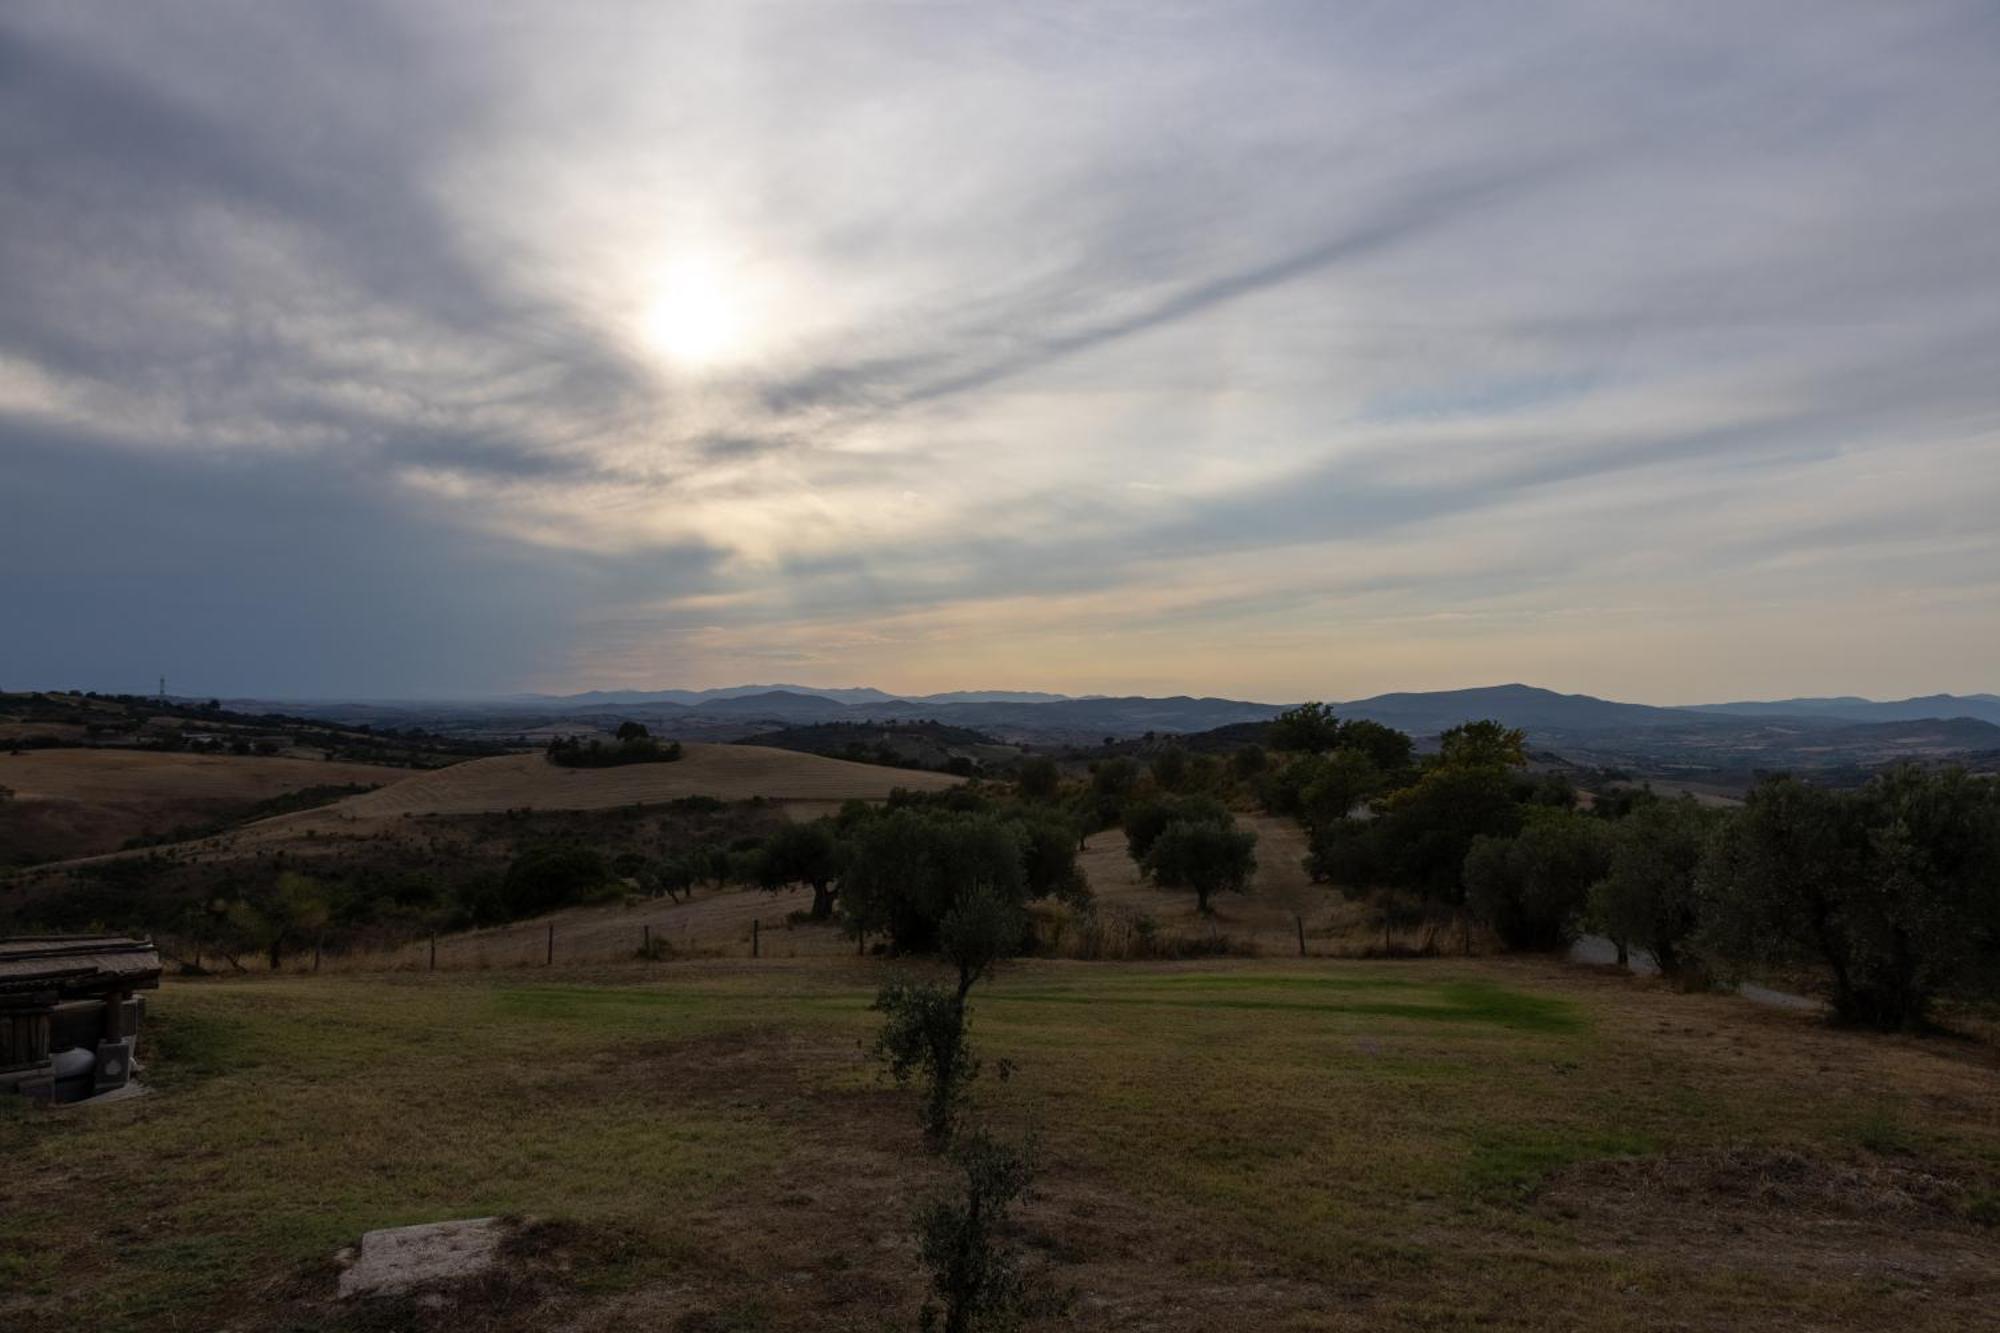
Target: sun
697 318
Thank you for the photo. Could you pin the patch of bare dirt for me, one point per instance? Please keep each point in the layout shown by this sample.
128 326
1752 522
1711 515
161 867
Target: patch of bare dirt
1770 1179
1887 1219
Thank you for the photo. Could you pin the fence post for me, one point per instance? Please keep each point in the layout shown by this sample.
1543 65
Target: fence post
551 960
646 939
434 951
1302 934
755 927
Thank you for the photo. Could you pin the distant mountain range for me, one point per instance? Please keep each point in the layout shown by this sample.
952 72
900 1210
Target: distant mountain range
1726 744
1985 707
1732 737
1429 712
846 695
1532 708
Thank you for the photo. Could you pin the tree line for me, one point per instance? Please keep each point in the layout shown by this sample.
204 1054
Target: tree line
1891 892
633 744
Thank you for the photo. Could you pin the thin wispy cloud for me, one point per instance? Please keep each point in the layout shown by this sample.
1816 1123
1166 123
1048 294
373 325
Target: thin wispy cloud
1273 350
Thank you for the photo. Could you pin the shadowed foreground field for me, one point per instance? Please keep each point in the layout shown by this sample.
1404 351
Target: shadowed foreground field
1255 1144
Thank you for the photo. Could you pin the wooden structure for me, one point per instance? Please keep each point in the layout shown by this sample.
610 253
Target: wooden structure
70 1012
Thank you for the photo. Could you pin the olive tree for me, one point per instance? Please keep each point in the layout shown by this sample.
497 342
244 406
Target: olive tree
1147 820
1038 778
1650 896
1532 888
803 854
1891 889
1311 728
923 1036
1209 856
906 869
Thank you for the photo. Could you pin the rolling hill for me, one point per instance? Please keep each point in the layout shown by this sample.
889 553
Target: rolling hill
1524 706
729 772
80 802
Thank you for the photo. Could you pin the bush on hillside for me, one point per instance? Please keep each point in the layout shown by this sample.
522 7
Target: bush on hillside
576 752
552 875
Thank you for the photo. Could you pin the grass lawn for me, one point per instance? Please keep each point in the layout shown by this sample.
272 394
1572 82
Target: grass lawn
1304 1145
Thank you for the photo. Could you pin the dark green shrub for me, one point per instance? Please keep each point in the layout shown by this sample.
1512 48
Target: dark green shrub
552 875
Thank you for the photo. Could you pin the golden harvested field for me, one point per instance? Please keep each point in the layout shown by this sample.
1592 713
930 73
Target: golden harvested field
112 777
729 772
81 802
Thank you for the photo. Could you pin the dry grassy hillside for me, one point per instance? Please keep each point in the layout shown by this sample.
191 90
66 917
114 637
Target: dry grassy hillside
109 777
801 784
728 772
75 802
711 923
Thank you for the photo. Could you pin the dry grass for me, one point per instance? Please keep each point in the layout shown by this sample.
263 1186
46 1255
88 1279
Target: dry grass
1319 1145
1264 920
530 782
119 777
76 802
711 924
728 772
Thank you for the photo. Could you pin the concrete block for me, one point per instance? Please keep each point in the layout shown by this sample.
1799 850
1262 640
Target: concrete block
400 1259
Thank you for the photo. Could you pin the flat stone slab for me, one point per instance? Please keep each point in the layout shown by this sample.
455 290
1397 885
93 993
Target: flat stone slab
399 1259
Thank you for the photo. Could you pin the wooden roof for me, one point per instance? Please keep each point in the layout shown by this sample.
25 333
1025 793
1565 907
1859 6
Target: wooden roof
77 965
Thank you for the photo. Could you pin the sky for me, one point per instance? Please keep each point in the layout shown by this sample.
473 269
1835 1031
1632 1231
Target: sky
1270 351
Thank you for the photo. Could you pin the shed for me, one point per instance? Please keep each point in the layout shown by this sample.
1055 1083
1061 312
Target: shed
70 1012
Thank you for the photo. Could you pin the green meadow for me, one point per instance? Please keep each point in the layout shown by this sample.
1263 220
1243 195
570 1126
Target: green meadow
1221 1145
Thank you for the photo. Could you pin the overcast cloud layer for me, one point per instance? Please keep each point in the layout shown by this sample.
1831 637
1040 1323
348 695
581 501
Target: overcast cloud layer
1271 351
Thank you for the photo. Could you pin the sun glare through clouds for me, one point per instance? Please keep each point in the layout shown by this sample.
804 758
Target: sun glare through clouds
698 317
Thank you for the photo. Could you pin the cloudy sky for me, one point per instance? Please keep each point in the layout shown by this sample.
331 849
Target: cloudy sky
1275 351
